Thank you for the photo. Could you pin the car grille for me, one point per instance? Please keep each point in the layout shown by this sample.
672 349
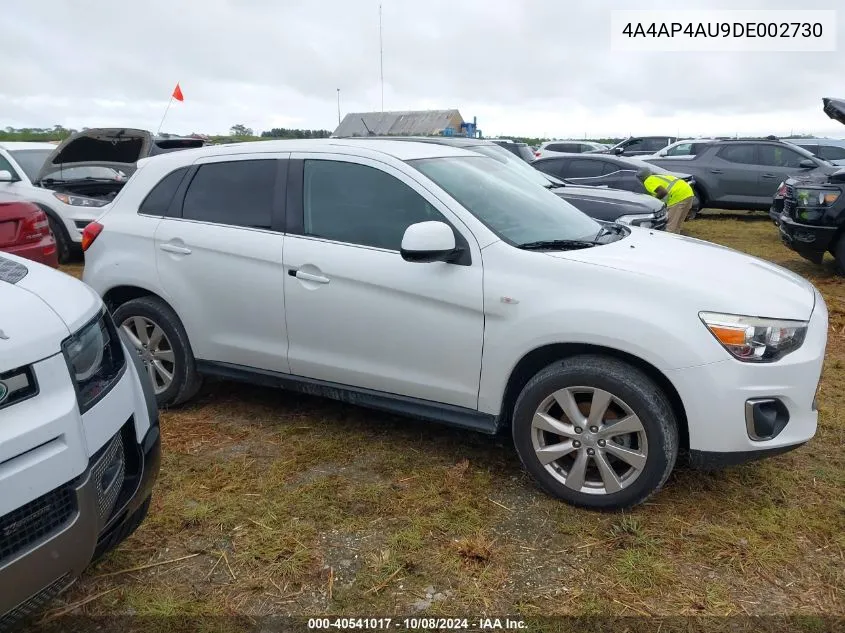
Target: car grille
36 520
108 476
35 604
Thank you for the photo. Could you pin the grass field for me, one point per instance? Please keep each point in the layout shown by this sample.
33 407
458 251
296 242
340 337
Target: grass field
272 502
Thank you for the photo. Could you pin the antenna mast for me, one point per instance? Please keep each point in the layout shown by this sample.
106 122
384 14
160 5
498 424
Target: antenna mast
381 57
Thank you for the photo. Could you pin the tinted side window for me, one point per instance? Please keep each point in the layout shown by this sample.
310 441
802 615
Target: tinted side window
777 156
562 147
159 199
585 168
7 166
832 152
738 153
653 144
239 193
634 145
552 167
358 204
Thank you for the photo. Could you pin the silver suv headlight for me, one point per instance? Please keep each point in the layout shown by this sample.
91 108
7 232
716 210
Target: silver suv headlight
754 339
95 359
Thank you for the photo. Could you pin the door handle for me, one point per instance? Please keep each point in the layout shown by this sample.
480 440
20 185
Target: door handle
173 248
715 171
303 276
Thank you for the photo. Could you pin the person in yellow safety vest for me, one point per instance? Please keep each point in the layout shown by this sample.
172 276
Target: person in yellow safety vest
675 192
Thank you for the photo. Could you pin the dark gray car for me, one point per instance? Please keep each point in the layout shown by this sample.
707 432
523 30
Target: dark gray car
744 173
608 205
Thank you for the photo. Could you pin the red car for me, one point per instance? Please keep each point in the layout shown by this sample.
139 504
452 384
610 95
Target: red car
25 232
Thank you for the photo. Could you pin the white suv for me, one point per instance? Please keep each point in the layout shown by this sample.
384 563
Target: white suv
433 281
79 435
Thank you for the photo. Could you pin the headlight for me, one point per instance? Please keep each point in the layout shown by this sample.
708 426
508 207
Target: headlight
816 197
644 220
80 201
95 358
753 339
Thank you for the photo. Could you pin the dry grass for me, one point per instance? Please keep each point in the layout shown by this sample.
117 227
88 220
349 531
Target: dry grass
303 506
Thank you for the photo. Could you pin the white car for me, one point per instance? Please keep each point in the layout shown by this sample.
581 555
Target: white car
685 149
433 281
552 148
79 435
75 180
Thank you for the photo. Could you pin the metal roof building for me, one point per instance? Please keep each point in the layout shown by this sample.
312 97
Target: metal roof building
404 123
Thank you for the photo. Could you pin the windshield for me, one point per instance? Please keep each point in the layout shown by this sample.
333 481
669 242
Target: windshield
504 156
30 160
511 206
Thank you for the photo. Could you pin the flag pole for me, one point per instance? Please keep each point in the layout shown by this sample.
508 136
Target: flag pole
165 114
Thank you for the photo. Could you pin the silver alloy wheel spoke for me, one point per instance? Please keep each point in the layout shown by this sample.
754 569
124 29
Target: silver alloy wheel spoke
629 424
155 337
598 407
132 337
165 355
552 452
608 475
577 475
161 371
545 422
140 324
152 372
566 401
634 458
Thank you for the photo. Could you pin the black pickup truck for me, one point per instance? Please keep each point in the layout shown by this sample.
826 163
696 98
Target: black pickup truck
812 221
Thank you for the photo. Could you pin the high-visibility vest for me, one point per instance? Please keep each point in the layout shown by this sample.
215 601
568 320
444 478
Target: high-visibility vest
677 189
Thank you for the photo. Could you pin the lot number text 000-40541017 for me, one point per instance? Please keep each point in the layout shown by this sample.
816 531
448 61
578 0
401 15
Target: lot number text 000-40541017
724 31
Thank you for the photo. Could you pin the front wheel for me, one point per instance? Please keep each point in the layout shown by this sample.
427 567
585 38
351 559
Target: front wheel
595 432
62 239
839 255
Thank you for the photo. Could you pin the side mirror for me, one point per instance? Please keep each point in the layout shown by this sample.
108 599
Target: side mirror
6 176
804 164
428 242
618 150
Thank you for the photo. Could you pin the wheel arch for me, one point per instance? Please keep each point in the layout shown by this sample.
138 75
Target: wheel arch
541 357
118 295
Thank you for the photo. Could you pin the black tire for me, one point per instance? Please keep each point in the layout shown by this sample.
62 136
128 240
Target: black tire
186 381
702 201
63 241
624 381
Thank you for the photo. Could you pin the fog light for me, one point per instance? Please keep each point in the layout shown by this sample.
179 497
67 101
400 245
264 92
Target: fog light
765 418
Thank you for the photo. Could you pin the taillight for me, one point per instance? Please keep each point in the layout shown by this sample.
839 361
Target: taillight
35 227
537 154
781 193
90 233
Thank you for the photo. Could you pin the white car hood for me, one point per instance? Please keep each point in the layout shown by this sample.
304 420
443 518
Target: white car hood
725 280
39 311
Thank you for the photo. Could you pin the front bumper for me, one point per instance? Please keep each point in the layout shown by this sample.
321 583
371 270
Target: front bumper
61 532
809 241
44 569
715 396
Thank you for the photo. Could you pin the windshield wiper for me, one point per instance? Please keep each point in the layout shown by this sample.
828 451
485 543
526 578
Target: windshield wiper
556 245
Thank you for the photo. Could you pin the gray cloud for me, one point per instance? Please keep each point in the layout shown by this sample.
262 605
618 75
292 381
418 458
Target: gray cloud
521 66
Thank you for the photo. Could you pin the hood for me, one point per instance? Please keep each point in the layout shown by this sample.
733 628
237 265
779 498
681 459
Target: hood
835 109
39 310
118 148
718 278
615 202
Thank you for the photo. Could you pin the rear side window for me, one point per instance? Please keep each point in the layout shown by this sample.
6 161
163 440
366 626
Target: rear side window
585 168
158 200
654 144
739 153
238 193
564 147
777 156
553 167
831 152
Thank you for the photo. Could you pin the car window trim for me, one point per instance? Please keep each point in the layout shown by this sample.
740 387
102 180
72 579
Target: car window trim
165 213
295 215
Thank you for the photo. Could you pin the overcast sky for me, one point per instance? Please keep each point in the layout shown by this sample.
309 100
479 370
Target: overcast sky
523 67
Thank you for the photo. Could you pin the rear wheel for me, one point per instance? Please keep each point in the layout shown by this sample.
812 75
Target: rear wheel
159 338
595 432
839 255
693 214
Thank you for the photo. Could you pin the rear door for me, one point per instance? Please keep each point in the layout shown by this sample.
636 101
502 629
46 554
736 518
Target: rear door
734 174
219 258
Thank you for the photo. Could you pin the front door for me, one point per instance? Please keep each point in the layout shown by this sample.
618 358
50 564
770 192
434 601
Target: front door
357 313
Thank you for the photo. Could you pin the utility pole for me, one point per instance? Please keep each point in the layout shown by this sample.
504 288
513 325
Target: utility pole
381 57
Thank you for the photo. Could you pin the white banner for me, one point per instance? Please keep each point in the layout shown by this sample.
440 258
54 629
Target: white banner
723 31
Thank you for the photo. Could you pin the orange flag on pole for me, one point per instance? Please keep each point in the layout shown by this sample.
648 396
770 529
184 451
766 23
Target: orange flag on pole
177 93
